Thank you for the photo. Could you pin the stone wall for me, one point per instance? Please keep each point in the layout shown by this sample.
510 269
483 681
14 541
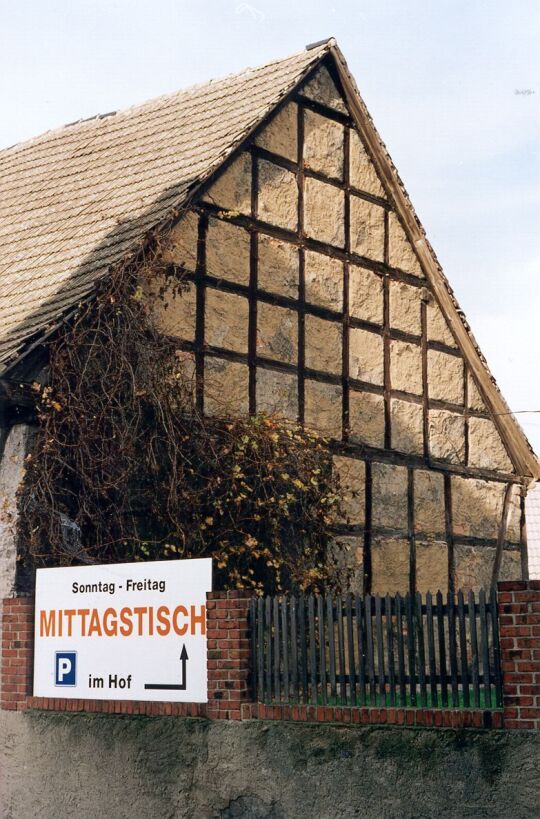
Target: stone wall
306 298
93 765
17 441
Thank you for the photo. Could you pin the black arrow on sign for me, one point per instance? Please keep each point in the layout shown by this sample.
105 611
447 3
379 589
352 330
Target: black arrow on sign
163 686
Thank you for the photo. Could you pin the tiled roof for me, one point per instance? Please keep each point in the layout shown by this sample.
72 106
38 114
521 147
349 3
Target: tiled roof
75 200
532 510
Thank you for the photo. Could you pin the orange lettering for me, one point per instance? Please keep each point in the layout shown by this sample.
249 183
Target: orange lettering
46 625
198 619
139 611
83 614
180 630
69 615
162 616
125 617
112 629
95 625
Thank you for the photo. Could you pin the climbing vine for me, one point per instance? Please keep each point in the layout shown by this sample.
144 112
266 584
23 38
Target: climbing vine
126 468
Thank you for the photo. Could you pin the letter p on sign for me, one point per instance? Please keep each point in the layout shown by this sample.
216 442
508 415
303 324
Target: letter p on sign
65 668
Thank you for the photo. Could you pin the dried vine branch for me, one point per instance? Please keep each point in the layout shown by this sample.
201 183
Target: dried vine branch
125 468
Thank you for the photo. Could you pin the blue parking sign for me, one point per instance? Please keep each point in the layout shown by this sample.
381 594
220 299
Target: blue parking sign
65 668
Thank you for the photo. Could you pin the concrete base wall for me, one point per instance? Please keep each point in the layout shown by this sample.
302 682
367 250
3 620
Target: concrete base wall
56 765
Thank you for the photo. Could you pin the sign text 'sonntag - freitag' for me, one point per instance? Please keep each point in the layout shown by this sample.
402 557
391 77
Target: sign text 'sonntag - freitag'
131 631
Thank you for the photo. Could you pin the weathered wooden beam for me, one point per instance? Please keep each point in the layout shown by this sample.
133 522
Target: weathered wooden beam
501 533
346 322
252 290
301 270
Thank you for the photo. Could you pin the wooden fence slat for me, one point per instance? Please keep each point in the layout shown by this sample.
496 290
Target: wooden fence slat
442 650
431 652
401 651
341 651
331 647
390 648
284 633
268 623
464 665
370 652
451 611
496 647
380 649
295 679
260 647
312 649
322 647
361 644
421 650
350 646
253 635
303 647
474 650
277 653
411 647
484 648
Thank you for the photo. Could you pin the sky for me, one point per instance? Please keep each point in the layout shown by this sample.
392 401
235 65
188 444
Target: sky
453 87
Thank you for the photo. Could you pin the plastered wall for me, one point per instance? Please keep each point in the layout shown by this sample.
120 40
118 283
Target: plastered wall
58 765
305 297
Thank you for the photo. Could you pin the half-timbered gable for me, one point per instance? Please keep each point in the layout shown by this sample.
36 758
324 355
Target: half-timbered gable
311 291
306 298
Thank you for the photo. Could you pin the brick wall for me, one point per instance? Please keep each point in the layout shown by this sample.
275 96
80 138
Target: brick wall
17 652
228 654
417 717
229 695
519 621
228 661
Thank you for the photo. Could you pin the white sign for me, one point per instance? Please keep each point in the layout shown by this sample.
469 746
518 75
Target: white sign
128 631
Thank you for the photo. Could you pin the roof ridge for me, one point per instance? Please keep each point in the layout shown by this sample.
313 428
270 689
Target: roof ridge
61 129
